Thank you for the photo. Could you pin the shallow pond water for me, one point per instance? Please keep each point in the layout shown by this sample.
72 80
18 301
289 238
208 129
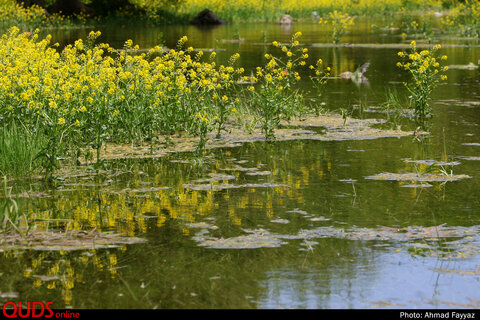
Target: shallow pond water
285 224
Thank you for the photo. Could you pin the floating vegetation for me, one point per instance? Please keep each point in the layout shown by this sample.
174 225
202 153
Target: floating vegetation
222 186
471 158
457 102
412 176
470 66
321 218
476 272
436 163
279 220
261 238
216 177
255 239
258 173
301 129
65 241
416 185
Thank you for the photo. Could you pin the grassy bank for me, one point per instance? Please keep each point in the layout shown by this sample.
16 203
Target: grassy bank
182 11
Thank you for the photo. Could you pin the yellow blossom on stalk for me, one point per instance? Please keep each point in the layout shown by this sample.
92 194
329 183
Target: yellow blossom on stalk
61 121
425 70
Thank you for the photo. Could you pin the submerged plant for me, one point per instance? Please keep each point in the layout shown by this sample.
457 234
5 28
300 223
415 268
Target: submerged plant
425 72
10 216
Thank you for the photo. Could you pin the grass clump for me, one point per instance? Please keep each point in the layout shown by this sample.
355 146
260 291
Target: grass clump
18 151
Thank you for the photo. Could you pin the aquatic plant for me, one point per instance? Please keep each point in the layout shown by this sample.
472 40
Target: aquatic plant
425 72
18 150
88 95
253 10
464 18
10 215
319 81
13 13
340 22
275 97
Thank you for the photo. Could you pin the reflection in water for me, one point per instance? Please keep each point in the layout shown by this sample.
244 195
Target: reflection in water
319 228
375 282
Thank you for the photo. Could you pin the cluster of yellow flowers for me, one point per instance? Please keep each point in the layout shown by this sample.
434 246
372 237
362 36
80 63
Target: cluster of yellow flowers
340 22
12 12
423 63
244 10
464 18
90 93
298 8
426 71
